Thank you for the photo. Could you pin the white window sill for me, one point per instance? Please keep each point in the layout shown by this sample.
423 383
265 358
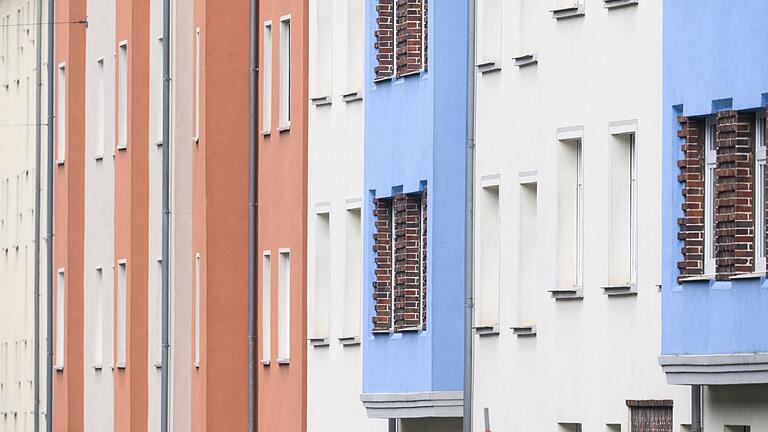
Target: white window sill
627 289
616 4
319 342
523 330
349 340
748 276
487 330
321 101
97 367
265 362
526 60
120 366
98 157
697 278
266 133
284 128
58 368
568 12
352 96
488 66
575 293
59 162
283 362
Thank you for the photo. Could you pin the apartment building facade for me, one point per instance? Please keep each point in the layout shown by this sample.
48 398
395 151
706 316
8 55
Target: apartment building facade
567 264
335 242
18 45
713 195
413 213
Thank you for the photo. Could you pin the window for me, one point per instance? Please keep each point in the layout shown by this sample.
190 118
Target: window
19 44
528 33
563 4
650 415
760 149
570 202
401 270
285 72
157 307
61 115
267 93
197 84
60 308
100 121
488 265
197 310
709 196
489 31
266 308
284 306
320 328
122 311
355 49
321 59
158 82
527 253
353 274
569 427
122 96
401 38
622 265
98 328
737 429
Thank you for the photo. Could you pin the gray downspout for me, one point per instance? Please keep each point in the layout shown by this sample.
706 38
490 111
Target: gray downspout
38 193
164 378
49 230
696 409
469 241
252 212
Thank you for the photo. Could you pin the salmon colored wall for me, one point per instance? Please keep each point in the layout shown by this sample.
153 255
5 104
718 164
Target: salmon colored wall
282 222
70 216
131 215
220 216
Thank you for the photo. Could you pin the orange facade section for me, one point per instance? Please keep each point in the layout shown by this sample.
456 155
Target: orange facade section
282 228
69 213
220 215
132 211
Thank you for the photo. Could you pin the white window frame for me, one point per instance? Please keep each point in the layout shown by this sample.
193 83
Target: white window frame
353 271
122 313
101 105
60 319
760 167
197 309
198 52
579 213
266 308
284 306
267 80
633 210
322 275
61 114
355 50
321 53
98 328
159 92
285 73
709 194
122 96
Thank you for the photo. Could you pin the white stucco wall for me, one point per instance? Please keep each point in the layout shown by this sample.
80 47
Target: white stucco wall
335 172
593 354
17 212
98 385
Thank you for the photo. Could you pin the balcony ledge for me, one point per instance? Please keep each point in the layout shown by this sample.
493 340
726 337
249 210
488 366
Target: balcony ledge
413 405
716 369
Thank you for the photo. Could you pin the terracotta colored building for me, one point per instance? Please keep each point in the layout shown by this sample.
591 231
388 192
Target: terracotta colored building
282 227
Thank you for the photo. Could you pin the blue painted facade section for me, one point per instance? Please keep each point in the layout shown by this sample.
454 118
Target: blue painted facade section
714 59
414 138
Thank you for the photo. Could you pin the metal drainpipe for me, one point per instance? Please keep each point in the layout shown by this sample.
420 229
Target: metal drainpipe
164 378
696 408
38 193
252 212
469 245
49 230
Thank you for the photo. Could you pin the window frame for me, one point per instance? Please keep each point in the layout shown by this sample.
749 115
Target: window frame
266 308
121 360
760 192
198 52
122 96
60 318
61 113
284 111
266 120
284 306
198 305
710 181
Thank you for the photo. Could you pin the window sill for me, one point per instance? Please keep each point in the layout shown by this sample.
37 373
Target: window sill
283 362
266 133
159 143
196 140
158 364
748 276
120 366
58 368
524 60
575 293
486 331
524 330
321 101
384 79
284 128
319 342
569 12
98 157
488 66
616 4
352 96
59 162
98 367
349 341
701 278
122 147
620 290
265 362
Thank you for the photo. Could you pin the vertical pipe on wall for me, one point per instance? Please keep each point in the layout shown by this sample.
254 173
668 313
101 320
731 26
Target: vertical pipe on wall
165 302
696 408
49 223
38 193
469 245
252 212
